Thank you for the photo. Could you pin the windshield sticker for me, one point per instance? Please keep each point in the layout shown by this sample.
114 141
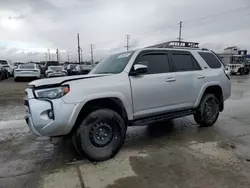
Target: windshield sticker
123 55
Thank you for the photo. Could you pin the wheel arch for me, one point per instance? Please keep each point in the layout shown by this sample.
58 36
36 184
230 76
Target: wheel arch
215 89
112 103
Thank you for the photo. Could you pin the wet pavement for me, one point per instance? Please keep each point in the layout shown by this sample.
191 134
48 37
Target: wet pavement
171 154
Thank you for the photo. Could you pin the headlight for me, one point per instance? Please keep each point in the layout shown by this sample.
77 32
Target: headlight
52 93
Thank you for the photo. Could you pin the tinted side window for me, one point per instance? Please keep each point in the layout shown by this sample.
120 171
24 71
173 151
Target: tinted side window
210 59
156 62
184 62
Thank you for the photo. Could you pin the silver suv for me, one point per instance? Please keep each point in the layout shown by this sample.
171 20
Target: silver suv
131 88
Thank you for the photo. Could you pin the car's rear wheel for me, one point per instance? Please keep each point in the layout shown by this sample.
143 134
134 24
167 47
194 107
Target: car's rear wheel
208 111
6 75
241 71
100 135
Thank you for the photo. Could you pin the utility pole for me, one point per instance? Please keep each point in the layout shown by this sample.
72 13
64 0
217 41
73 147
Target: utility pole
79 48
57 55
127 38
91 50
68 55
46 57
81 56
49 54
180 32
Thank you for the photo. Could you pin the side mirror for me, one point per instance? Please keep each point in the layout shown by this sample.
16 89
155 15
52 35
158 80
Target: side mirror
139 69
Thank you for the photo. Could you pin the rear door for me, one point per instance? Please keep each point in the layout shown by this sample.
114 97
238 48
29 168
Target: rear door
150 90
189 79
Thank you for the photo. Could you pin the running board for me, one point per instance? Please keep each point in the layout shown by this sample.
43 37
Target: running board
162 117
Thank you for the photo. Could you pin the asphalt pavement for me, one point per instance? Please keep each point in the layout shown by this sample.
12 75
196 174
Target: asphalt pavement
176 154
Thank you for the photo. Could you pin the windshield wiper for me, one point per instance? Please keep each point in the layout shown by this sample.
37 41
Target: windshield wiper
105 73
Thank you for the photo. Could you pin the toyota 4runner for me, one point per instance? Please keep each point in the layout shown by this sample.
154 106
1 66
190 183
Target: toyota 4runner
131 88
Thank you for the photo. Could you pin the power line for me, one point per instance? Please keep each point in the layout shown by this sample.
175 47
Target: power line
127 38
217 14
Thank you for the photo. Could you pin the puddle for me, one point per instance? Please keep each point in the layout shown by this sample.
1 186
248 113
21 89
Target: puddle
13 124
11 111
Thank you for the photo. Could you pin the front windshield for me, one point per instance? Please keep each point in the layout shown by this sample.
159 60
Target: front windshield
114 64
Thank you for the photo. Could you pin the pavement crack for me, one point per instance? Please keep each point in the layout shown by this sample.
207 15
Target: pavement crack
16 175
80 176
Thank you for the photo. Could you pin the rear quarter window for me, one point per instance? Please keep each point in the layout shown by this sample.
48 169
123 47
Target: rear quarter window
212 61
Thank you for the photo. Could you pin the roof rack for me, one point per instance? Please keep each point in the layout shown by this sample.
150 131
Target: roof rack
176 44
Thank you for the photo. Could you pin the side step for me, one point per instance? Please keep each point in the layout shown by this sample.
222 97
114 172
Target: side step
162 117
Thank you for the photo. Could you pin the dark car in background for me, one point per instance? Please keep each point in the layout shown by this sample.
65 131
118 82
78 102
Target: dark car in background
3 73
70 68
83 69
8 65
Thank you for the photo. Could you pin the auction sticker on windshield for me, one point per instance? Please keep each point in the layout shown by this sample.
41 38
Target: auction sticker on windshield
123 55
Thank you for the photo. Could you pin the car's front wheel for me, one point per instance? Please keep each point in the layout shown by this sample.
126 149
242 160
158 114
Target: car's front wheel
208 111
100 135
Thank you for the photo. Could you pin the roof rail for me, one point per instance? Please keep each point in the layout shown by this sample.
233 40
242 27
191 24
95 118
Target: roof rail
176 44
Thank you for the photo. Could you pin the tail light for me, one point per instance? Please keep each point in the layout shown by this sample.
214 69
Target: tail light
227 73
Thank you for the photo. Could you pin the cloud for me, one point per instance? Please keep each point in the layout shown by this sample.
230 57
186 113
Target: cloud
33 26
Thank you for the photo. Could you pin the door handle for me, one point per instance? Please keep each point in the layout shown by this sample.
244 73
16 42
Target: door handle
201 77
170 80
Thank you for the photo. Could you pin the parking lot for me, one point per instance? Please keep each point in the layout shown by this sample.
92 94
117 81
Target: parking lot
171 154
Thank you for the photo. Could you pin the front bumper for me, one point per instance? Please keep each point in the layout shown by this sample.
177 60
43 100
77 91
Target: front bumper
39 121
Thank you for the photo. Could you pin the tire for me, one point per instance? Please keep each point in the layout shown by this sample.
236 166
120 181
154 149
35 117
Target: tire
16 79
6 75
204 112
241 71
247 72
100 135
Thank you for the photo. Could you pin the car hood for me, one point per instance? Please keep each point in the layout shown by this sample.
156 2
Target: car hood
48 82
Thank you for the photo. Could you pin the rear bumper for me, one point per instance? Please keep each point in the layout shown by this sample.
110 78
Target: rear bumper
24 75
41 124
50 75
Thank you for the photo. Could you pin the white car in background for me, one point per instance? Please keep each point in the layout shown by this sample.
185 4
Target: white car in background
27 71
8 65
55 71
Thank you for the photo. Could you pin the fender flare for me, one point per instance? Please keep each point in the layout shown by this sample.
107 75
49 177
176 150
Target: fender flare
203 89
126 104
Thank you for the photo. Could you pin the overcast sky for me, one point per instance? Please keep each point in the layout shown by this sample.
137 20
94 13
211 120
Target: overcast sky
29 27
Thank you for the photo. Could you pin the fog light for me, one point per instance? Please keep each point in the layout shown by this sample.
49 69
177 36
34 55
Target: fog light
50 114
